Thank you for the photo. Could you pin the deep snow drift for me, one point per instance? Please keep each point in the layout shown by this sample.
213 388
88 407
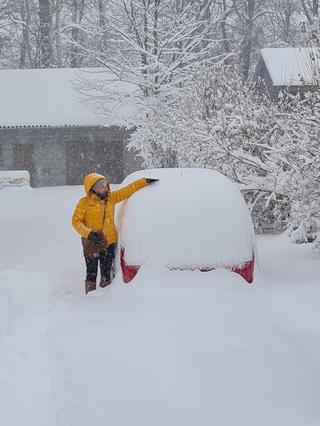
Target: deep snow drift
172 348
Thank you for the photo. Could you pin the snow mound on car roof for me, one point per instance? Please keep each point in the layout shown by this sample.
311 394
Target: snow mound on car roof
192 218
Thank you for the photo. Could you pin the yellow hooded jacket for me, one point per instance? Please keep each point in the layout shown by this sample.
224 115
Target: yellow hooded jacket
93 214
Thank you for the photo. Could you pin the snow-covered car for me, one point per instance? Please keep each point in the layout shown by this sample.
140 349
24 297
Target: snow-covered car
192 219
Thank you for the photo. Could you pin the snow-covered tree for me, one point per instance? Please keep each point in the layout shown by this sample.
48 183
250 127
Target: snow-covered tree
155 44
219 122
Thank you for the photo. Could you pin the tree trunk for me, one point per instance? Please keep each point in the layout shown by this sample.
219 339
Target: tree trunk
74 35
287 24
226 47
45 21
77 14
247 41
58 32
24 41
103 27
102 13
156 43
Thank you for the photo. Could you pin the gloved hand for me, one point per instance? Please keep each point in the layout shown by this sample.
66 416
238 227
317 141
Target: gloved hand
95 237
151 180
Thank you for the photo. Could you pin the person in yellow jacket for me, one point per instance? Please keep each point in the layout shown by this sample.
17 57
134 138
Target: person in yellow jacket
93 219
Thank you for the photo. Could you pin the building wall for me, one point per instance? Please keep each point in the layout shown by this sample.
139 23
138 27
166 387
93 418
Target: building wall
6 160
263 79
49 156
63 155
95 150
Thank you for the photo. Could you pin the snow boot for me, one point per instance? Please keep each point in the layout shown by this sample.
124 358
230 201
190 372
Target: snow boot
104 283
89 286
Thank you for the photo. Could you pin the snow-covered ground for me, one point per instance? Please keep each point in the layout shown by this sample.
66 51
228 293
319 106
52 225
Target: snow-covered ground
170 349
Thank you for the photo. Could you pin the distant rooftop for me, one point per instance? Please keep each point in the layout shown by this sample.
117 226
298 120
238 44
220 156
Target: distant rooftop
51 97
292 66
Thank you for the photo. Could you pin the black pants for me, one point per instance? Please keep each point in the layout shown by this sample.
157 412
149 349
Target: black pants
105 257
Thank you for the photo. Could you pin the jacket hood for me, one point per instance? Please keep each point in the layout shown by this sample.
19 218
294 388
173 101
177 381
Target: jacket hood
91 179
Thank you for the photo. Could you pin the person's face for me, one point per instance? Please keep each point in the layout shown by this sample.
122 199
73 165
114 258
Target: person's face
101 187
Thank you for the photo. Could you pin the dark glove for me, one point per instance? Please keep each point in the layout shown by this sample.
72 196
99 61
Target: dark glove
150 180
95 237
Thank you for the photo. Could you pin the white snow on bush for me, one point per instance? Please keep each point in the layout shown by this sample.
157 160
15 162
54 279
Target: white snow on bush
192 218
14 178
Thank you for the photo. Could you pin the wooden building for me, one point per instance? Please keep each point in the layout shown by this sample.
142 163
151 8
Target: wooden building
47 128
290 69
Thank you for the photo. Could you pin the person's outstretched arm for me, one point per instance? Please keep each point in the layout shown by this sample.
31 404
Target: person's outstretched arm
127 191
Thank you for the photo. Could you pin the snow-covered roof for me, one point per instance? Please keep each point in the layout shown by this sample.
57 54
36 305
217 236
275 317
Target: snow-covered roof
58 97
292 66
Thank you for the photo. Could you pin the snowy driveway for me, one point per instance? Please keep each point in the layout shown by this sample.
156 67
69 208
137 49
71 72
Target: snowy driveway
171 349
